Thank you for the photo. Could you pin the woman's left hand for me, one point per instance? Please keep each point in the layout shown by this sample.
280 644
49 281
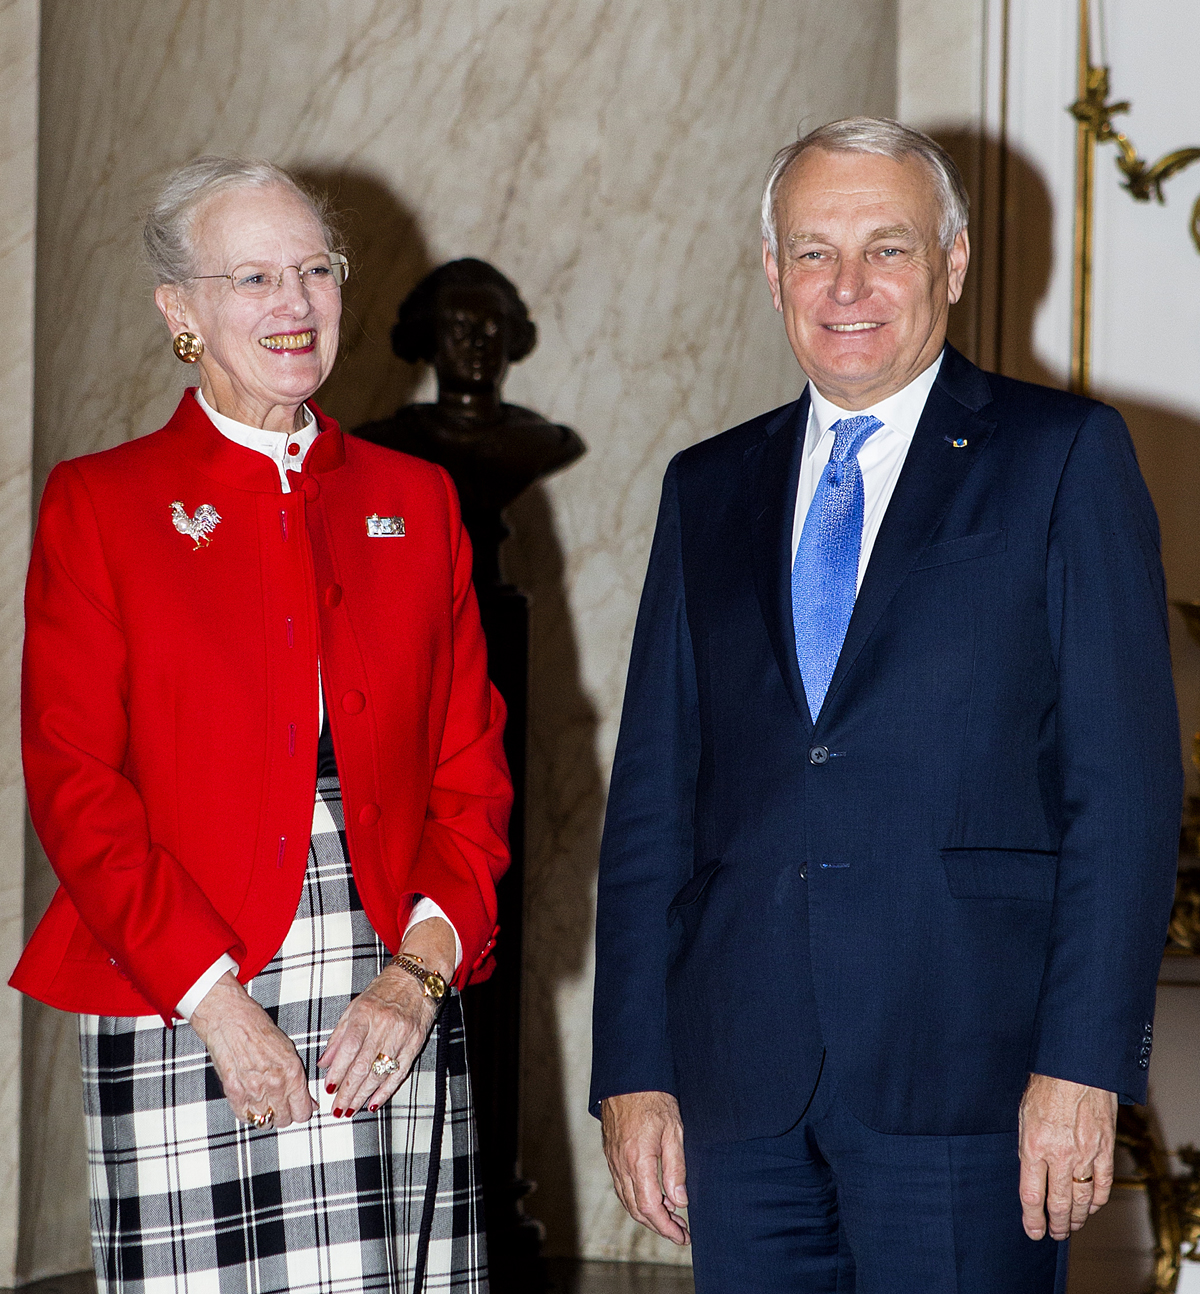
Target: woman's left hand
391 1017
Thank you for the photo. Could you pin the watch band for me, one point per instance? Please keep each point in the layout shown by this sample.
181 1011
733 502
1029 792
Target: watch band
432 983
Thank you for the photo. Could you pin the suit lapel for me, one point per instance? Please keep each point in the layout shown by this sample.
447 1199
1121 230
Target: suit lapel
771 470
933 472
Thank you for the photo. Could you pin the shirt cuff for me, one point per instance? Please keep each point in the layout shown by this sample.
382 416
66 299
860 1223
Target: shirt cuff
195 995
425 908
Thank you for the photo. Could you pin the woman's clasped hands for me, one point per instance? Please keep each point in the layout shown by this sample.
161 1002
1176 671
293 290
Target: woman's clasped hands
389 1022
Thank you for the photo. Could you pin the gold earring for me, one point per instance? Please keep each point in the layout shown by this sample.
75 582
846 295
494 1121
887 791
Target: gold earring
188 347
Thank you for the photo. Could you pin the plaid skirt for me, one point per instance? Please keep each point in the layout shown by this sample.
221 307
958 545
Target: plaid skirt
186 1199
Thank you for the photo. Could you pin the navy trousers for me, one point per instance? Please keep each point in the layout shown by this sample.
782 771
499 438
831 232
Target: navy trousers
833 1207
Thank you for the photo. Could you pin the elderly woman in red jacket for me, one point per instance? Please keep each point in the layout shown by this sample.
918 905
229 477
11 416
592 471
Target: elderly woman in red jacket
264 759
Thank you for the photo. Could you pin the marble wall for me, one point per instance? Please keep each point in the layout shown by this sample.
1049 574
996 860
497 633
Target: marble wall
947 75
606 155
18 180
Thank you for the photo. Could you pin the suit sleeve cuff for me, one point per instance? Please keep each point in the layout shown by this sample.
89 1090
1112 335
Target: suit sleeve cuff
195 995
425 908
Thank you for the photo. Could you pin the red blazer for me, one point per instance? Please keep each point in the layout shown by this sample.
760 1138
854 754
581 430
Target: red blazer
169 709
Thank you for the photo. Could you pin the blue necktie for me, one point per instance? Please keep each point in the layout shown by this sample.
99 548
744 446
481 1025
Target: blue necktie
825 575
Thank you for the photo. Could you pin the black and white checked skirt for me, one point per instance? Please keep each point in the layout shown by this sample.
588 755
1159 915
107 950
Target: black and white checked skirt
188 1200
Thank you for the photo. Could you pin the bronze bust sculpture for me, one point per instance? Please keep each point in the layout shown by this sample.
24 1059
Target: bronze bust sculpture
468 321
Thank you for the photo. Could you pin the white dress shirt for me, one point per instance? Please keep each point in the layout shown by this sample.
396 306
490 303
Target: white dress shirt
287 452
880 459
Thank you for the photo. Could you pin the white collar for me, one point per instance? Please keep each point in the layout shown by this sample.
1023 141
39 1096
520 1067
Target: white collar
901 412
274 444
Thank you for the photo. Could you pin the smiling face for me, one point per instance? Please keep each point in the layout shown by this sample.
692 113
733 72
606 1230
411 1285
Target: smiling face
263 357
861 280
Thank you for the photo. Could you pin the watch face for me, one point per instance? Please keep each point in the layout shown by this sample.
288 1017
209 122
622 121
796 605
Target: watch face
435 986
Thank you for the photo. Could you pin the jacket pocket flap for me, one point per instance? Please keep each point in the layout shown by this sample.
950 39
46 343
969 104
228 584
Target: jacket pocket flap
963 549
1001 873
695 887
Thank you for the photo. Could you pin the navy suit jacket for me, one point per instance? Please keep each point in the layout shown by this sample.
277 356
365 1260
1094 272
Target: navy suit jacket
963 873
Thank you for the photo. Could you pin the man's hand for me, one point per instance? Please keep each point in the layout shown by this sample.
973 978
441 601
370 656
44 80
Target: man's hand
643 1133
1068 1132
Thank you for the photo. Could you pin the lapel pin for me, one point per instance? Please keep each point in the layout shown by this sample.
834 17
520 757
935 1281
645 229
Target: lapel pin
198 528
958 444
384 527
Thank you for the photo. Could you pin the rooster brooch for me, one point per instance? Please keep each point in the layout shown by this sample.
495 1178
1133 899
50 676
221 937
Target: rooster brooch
198 528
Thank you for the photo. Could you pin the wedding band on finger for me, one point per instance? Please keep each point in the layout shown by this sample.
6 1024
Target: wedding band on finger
383 1065
1082 1181
261 1121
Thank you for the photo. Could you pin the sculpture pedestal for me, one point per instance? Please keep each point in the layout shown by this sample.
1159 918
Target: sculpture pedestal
493 1009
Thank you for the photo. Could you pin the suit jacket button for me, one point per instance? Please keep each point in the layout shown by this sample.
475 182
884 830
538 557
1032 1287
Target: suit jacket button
818 755
354 702
333 595
804 871
368 815
311 487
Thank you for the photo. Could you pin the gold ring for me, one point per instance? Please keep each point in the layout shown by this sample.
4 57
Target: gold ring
1080 1181
261 1121
383 1065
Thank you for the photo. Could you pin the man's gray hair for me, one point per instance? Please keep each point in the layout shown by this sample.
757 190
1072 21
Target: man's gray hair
167 233
887 138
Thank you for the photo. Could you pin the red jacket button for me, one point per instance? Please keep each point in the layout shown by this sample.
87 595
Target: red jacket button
333 595
311 487
354 702
368 815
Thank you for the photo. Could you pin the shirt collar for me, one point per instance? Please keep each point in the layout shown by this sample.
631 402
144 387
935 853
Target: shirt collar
273 444
901 412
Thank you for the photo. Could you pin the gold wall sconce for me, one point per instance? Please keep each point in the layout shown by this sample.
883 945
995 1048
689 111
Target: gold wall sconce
1143 181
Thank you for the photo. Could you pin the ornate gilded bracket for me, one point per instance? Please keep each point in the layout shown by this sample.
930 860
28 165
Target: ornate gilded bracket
1093 115
1142 180
1173 1201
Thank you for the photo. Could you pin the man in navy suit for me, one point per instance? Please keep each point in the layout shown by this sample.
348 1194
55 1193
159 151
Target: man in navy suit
893 823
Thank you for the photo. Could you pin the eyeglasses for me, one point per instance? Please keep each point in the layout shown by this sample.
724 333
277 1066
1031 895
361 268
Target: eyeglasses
322 273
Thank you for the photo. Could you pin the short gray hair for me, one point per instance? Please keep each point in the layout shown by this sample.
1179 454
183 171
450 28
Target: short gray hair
167 233
886 138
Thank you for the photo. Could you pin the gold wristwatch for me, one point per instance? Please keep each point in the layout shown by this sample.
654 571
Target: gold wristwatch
431 981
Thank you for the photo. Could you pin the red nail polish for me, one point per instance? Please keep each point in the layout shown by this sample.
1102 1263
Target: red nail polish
337 1114
330 1088
372 1108
349 1114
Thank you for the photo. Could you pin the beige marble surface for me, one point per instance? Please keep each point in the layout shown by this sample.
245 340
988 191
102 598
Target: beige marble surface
940 61
18 177
606 155
948 62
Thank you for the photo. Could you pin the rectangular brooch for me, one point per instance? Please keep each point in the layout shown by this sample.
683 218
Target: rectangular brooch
384 527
